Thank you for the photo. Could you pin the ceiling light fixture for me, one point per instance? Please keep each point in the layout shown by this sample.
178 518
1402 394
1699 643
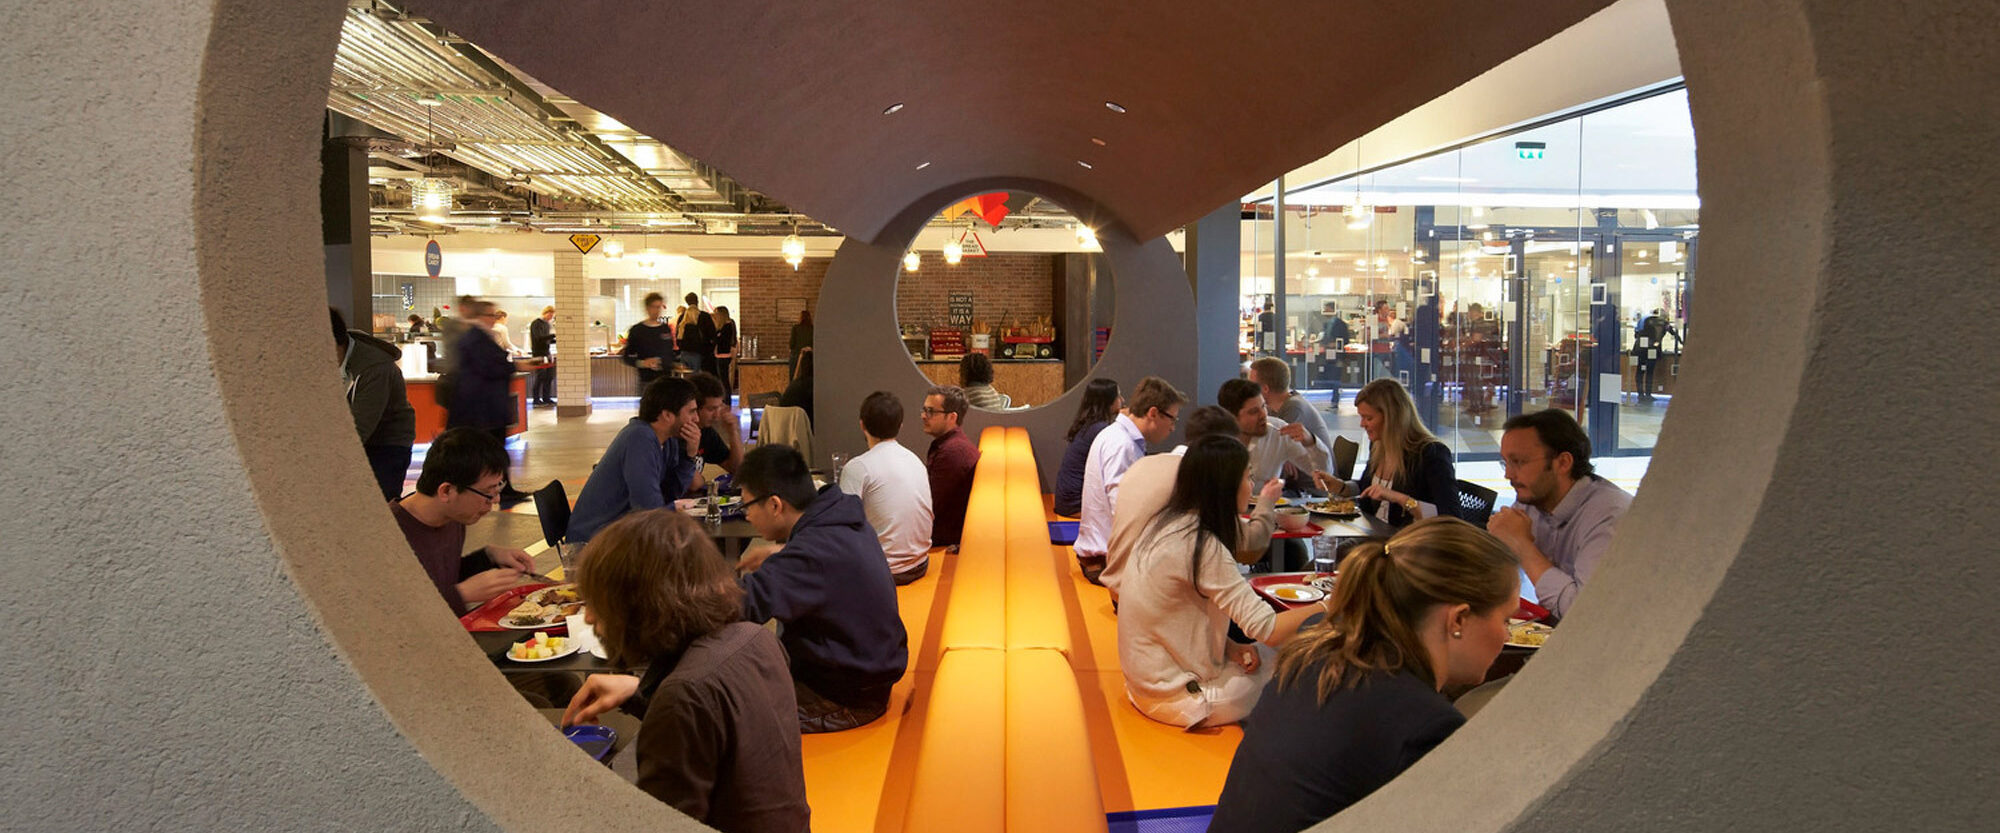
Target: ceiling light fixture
923 165
614 250
891 109
430 197
1114 107
953 252
1478 219
430 100
1086 165
1359 216
1096 141
912 261
1086 238
794 249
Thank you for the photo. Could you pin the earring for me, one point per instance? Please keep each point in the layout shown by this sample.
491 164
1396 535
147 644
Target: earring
1457 634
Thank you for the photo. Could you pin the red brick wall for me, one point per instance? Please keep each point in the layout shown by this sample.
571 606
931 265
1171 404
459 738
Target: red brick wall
1003 286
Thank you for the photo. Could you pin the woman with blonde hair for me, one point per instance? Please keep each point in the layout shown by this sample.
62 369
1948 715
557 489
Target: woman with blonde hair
725 346
1410 474
720 733
1356 699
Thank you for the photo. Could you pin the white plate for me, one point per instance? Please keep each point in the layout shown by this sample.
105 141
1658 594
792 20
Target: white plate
1513 625
569 647
1300 593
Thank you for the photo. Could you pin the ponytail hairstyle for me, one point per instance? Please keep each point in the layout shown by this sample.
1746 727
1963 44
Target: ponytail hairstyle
1384 592
1205 488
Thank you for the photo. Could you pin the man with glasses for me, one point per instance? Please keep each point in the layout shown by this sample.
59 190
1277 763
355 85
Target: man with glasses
951 460
1563 514
829 584
1148 419
460 483
647 465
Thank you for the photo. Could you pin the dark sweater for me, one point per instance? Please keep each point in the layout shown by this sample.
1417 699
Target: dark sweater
645 341
830 586
1428 476
697 336
480 397
1301 761
1069 478
440 550
951 460
375 392
720 737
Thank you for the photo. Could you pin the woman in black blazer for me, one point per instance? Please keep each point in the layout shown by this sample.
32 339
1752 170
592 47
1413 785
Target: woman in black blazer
1410 473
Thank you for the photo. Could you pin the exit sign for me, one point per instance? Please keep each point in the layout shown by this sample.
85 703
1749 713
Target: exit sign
1531 150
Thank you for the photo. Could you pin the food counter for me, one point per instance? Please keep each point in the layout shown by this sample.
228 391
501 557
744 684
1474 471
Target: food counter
1027 382
422 393
611 376
762 375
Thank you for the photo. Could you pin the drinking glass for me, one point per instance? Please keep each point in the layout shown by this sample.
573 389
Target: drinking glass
840 459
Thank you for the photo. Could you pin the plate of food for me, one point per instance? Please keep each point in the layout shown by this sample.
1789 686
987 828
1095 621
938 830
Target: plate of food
1295 593
544 608
1525 634
541 648
1336 507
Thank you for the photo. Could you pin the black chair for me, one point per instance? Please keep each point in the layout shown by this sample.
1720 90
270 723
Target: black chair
552 505
1344 452
1475 503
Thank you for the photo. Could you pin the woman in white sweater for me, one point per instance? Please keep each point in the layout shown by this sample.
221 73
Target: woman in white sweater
1181 590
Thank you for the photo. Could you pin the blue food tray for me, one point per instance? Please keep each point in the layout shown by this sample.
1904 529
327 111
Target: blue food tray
1062 533
596 741
1170 820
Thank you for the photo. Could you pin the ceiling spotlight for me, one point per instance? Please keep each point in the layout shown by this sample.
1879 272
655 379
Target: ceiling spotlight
912 261
1086 165
1114 107
1312 271
1086 238
794 250
614 250
923 165
891 109
953 252
1096 141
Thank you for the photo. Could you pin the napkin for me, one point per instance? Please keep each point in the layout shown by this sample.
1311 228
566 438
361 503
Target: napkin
585 636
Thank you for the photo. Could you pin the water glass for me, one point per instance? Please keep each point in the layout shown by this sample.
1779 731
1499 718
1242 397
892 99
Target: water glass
1326 555
840 459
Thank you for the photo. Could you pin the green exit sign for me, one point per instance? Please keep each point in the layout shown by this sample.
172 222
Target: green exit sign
1531 150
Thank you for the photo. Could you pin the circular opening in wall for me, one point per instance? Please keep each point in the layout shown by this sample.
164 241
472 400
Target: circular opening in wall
1010 298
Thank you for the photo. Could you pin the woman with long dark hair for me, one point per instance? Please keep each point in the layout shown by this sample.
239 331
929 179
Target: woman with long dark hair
1180 590
1101 403
720 733
725 346
1357 699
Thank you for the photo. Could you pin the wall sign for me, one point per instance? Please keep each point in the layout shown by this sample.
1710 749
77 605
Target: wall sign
433 259
409 296
958 311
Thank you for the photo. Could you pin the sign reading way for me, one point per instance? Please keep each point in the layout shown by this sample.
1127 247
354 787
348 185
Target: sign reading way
584 242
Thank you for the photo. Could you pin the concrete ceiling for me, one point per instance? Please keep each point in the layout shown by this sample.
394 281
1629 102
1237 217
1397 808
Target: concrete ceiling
789 98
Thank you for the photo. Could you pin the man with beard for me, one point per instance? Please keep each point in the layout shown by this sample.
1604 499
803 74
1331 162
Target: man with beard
1561 522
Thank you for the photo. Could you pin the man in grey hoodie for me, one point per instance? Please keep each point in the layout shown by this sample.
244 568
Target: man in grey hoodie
380 406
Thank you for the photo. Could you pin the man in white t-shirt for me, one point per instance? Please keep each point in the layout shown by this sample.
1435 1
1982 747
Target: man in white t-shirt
894 487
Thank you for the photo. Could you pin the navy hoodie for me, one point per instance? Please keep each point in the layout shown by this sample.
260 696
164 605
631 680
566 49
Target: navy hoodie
831 588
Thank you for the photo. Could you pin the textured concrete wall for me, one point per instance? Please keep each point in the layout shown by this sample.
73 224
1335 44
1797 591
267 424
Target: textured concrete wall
215 628
227 632
860 351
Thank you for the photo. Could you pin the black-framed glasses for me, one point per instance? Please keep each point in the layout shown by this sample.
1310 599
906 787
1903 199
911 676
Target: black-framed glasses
753 501
494 498
931 412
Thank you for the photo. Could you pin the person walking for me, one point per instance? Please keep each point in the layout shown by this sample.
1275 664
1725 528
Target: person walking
725 346
541 341
649 345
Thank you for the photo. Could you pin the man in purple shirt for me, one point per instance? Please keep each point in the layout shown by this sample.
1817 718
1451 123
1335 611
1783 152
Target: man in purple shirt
461 480
1564 514
951 460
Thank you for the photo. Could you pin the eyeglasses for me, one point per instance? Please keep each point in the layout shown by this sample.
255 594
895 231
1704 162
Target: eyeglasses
494 498
1175 416
931 412
1506 464
753 501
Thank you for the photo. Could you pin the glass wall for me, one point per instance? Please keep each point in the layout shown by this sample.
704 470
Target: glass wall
1545 268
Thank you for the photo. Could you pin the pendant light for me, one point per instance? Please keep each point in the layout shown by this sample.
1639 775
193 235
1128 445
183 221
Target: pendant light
912 261
953 252
794 248
1359 215
430 196
614 250
1086 238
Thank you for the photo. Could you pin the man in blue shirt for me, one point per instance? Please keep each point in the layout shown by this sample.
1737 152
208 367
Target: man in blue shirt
653 447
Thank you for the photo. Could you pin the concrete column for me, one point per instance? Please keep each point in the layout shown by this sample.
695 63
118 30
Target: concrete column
572 323
343 207
1214 262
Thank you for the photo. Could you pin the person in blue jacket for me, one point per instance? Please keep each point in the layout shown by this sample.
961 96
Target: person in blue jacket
828 583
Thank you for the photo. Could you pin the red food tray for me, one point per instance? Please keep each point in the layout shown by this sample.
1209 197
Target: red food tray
1310 530
486 617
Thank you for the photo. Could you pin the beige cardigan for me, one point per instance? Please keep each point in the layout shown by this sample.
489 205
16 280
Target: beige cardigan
1173 627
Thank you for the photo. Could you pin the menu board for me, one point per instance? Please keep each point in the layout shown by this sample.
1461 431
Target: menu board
958 310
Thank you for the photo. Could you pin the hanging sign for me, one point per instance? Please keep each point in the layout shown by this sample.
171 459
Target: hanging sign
584 242
433 259
409 296
971 243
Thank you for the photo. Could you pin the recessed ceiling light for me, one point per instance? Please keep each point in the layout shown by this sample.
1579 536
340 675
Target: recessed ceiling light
892 108
1114 107
1086 165
923 165
1096 141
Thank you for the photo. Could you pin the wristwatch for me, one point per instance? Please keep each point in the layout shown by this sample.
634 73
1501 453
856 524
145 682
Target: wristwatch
1410 505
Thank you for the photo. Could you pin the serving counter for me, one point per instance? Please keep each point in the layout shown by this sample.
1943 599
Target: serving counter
422 393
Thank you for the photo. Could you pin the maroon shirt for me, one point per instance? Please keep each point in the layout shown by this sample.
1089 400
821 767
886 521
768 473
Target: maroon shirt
951 460
439 550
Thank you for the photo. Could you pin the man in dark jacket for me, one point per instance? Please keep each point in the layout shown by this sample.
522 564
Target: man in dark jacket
829 584
377 400
481 395
541 338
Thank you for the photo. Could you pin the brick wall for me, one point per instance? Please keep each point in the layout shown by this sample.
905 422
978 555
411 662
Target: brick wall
1003 286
